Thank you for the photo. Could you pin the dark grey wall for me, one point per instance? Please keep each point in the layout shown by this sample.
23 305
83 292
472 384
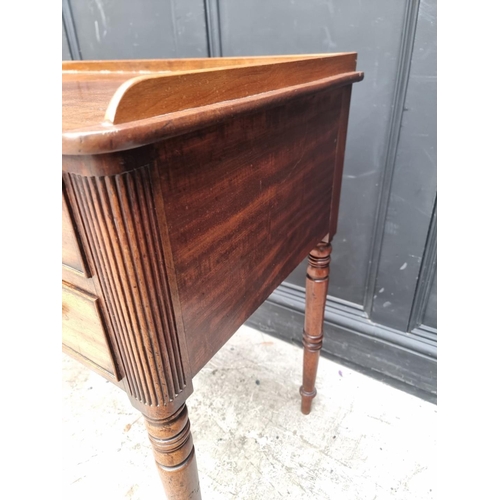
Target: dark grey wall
381 311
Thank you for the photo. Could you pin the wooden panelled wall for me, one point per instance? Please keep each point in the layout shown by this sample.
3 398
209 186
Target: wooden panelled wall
381 309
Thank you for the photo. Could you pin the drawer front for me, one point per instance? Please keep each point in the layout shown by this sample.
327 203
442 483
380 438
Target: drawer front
84 333
72 254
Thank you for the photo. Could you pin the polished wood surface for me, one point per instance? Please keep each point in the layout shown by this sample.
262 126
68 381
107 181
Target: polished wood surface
154 106
175 455
84 335
191 189
234 231
316 289
136 91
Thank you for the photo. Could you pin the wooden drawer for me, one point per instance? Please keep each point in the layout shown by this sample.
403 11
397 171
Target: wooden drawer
72 253
84 333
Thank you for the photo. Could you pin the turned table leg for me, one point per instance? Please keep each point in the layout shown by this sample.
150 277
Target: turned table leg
316 290
175 456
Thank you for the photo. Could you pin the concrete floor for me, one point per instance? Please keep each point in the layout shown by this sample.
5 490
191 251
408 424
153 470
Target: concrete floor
363 439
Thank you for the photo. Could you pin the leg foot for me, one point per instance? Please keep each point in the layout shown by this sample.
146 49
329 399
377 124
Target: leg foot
316 290
175 456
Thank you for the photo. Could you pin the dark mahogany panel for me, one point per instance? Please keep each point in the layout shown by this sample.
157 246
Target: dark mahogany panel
235 209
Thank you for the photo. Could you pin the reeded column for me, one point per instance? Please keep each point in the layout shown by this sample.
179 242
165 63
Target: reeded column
121 222
316 290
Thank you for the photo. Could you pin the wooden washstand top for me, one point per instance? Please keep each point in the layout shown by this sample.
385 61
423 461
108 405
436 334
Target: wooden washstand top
118 105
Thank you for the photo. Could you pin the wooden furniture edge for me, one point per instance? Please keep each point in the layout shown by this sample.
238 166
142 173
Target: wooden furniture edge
188 64
111 138
146 96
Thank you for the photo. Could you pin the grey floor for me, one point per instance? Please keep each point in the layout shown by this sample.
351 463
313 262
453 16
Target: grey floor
363 439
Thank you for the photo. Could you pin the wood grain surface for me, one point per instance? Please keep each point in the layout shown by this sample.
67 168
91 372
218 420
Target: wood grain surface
111 110
191 190
245 202
84 335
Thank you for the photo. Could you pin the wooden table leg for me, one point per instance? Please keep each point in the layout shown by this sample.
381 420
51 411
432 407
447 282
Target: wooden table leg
175 456
316 290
